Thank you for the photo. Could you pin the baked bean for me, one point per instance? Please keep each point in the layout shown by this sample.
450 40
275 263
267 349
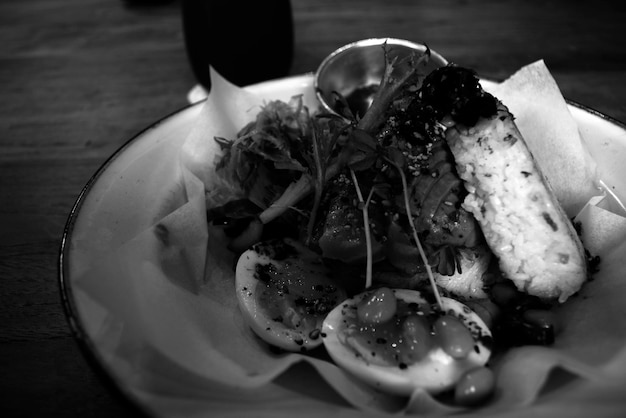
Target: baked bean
380 306
417 337
475 386
453 336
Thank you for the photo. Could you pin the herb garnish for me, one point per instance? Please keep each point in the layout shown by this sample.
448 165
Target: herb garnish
312 149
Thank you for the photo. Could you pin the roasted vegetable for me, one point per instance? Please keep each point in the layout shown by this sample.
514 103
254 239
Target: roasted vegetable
341 235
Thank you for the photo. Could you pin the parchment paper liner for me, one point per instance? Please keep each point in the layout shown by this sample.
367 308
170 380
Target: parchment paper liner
170 320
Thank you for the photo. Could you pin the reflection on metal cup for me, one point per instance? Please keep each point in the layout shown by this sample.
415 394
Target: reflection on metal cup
356 69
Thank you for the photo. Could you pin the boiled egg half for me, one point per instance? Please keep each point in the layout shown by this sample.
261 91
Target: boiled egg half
285 292
397 341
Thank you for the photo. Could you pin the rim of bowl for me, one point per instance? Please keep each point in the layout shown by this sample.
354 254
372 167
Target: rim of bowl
365 43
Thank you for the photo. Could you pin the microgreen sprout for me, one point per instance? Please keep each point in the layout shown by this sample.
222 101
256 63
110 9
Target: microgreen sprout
364 205
418 243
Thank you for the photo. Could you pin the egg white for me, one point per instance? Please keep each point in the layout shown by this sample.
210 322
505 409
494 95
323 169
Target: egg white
436 372
275 332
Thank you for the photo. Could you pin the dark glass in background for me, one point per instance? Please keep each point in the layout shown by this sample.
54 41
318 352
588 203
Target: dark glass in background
245 41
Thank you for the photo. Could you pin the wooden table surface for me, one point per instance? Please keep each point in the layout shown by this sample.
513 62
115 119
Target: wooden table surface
78 78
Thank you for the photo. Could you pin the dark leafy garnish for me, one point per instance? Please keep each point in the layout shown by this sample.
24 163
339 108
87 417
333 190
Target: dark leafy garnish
456 91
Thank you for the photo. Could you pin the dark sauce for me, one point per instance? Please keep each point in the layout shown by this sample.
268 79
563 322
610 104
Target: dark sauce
361 98
513 327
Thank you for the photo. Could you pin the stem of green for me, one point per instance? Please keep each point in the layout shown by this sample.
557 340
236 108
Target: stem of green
319 186
407 206
366 226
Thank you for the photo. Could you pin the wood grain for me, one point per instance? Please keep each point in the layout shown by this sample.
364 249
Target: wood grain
78 78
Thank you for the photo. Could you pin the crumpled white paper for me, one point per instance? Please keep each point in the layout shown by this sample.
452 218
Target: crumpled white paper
543 117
